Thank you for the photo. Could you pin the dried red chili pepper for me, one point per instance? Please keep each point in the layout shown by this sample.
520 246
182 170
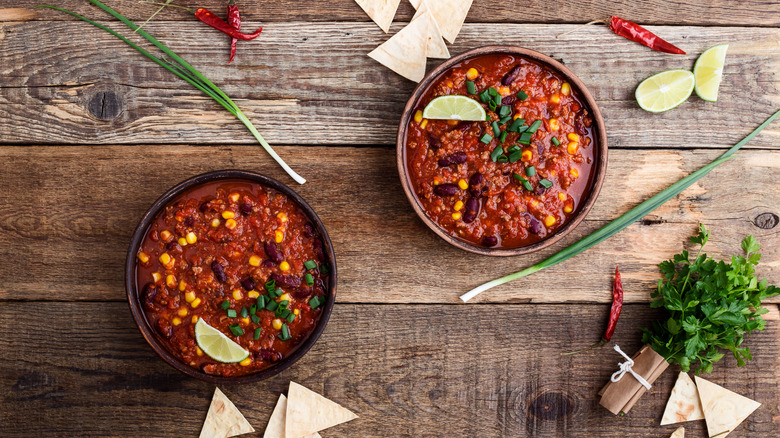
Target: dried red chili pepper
637 33
614 314
233 19
212 20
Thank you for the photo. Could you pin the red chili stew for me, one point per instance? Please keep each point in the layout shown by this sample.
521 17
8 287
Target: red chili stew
243 257
516 178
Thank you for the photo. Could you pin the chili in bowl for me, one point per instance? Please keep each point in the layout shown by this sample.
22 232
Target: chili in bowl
242 253
517 181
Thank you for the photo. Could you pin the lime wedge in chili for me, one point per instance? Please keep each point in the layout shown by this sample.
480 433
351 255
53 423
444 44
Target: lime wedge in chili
216 345
454 107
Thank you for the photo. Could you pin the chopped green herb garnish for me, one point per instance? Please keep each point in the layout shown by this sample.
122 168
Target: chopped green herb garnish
244 312
484 96
521 95
309 279
525 138
504 111
225 304
285 335
270 286
534 126
472 89
261 301
492 105
496 129
257 332
278 292
236 329
523 181
487 138
504 120
502 159
231 313
311 264
497 152
255 319
502 138
492 91
546 183
284 313
271 305
522 129
253 309
516 125
515 156
497 100
555 141
315 302
514 148
291 317
530 171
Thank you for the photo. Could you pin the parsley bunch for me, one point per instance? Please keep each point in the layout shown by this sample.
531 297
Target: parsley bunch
710 306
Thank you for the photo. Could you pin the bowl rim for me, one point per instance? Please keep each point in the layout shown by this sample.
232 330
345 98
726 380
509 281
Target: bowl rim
132 288
600 165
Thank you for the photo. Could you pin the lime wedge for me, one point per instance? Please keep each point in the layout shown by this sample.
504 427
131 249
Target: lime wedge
454 108
708 72
665 90
218 346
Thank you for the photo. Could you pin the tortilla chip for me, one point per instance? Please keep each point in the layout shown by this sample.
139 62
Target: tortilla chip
680 432
381 11
684 403
309 412
404 53
435 45
449 14
275 428
224 419
724 410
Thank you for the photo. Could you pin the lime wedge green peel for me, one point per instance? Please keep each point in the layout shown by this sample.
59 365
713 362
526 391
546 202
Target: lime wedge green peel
708 72
454 107
664 91
216 345
623 221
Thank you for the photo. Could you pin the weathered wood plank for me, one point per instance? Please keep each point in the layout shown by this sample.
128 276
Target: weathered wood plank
703 12
75 84
68 212
439 371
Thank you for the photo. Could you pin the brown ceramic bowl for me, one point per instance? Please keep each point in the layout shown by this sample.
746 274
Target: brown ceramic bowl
132 288
599 165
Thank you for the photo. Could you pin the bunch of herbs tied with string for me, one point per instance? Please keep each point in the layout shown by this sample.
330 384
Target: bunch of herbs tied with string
709 305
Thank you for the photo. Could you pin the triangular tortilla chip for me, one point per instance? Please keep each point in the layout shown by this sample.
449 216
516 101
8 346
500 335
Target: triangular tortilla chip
449 14
404 53
680 432
724 410
381 11
309 412
435 46
275 428
683 404
224 419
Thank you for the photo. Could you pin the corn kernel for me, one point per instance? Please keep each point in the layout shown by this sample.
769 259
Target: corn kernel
215 222
234 197
555 98
170 281
156 276
463 184
516 116
527 155
572 147
418 116
182 285
424 123
453 122
194 319
246 362
282 217
554 125
574 172
278 236
472 74
183 312
504 91
189 297
565 89
296 311
285 297
277 324
182 241
436 181
568 208
237 295
198 351
230 224
534 202
573 137
176 320
191 238
284 266
549 220
456 215
254 260
450 84
165 259
227 214
253 294
143 257
245 321
165 235
195 303
458 206
562 196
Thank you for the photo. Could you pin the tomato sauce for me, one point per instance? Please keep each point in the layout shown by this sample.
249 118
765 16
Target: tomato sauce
510 193
223 251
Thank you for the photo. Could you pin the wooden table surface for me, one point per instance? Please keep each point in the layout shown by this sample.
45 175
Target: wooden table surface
91 133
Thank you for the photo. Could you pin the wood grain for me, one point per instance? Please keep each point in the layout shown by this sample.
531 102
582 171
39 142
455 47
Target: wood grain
706 12
65 234
405 370
75 84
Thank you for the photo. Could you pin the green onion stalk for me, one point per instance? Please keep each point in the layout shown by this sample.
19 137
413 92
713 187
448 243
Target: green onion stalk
184 70
623 221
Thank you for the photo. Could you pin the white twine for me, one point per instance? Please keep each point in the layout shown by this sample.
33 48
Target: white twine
625 367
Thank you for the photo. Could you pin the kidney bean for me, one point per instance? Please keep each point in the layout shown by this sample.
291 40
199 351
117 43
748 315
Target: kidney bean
471 209
511 76
446 189
301 293
539 190
534 225
317 244
489 241
286 281
474 183
173 246
433 142
203 207
164 328
456 158
508 100
269 263
540 149
273 251
245 208
308 231
148 294
268 355
248 283
219 271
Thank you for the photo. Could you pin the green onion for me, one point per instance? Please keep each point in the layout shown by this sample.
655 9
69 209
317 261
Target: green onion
502 159
236 329
291 317
270 286
309 279
521 95
284 313
497 100
185 71
271 305
502 137
225 304
255 319
504 120
525 138
515 125
496 129
472 89
257 332
492 105
311 264
523 181
231 313
504 111
261 301
484 96
278 292
253 309
244 312
514 156
496 153
315 302
530 171
546 183
285 335
555 141
522 129
623 221
534 126
514 148
284 303
492 91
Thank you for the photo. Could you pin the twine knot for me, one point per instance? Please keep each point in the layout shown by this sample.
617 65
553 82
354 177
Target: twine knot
625 367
